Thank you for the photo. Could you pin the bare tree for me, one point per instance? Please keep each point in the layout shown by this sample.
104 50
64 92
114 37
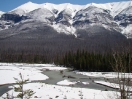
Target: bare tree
122 67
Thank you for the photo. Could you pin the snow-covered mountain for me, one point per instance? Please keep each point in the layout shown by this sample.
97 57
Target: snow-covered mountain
69 18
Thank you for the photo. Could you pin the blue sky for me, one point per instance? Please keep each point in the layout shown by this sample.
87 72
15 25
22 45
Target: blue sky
7 5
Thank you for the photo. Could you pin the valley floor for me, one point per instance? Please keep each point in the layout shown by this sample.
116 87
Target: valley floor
48 82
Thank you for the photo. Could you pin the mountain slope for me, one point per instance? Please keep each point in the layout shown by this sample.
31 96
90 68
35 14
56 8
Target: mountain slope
41 14
54 29
93 15
124 19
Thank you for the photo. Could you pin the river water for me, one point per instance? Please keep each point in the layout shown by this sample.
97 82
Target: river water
56 76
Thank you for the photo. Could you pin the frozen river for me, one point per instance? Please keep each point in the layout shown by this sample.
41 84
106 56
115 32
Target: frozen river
82 81
45 79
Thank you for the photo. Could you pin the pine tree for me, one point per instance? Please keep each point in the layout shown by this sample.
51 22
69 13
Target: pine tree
22 93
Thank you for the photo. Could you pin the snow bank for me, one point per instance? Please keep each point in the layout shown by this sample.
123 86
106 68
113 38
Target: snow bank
66 82
113 85
45 91
25 64
106 74
29 71
7 74
85 83
53 68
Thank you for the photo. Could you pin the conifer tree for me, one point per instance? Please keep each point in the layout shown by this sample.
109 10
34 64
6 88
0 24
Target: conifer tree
23 94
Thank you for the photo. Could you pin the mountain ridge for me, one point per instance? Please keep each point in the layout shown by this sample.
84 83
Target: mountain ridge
69 18
30 6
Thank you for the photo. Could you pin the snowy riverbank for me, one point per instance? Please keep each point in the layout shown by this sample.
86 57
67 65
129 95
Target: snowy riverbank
63 87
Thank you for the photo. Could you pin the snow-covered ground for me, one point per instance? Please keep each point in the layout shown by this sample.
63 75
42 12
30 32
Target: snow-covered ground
9 71
28 71
63 90
45 91
106 74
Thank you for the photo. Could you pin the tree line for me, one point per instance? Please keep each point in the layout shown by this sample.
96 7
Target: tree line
78 60
85 61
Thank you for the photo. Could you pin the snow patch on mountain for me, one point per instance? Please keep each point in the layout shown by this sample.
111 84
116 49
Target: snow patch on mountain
1 13
41 14
64 6
48 6
119 6
64 29
18 11
25 8
127 11
127 31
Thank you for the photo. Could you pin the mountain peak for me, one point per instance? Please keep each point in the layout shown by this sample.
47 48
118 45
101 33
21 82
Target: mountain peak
29 2
27 7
